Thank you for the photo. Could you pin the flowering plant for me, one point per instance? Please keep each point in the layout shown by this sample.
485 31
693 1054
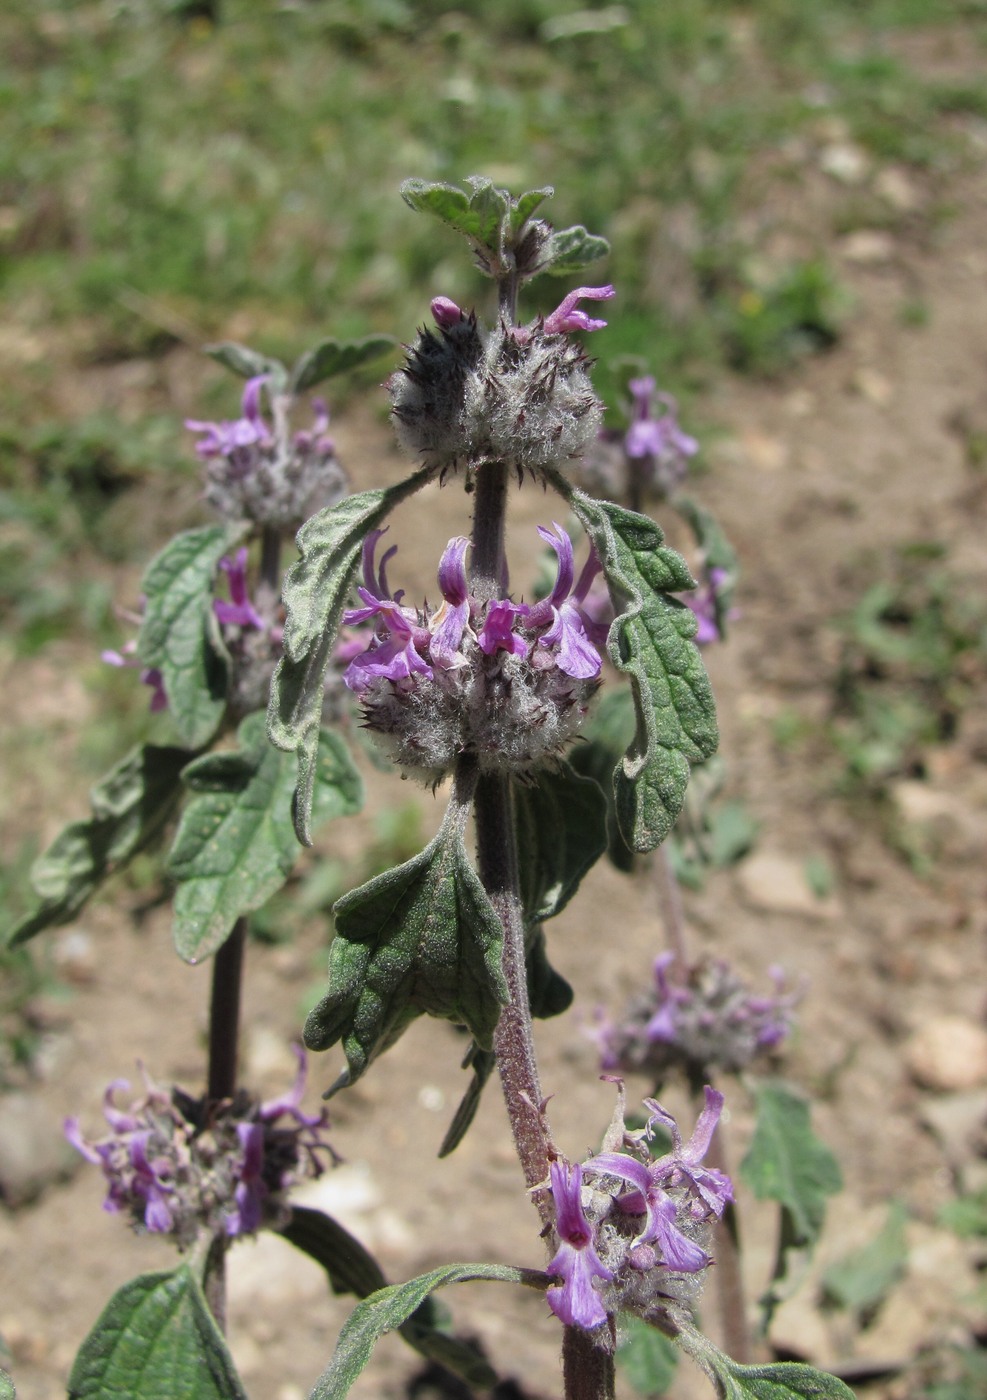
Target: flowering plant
485 691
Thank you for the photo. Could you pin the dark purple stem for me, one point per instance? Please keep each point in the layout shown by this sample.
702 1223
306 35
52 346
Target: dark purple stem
587 1369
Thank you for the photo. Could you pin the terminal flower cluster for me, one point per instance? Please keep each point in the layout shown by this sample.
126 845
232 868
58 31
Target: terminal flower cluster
709 1020
177 1166
634 1229
264 472
508 681
519 394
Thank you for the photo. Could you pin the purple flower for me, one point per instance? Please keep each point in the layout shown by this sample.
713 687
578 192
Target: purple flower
393 654
704 602
653 1182
497 632
241 611
657 441
234 440
566 316
149 675
445 312
576 655
576 1261
448 624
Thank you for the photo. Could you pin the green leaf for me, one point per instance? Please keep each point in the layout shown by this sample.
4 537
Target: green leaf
603 738
392 1306
482 1063
787 1163
315 593
561 833
651 641
351 1268
420 939
782 1380
236 843
180 636
479 216
130 806
156 1338
865 1277
525 205
717 551
7 1390
572 249
646 1357
247 363
332 357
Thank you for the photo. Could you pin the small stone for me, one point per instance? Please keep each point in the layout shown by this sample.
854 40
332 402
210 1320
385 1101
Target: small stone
777 884
948 1054
896 189
75 956
867 246
874 386
844 162
33 1150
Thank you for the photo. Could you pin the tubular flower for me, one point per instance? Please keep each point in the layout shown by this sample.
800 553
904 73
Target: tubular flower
508 681
651 454
178 1167
264 472
518 394
576 1262
635 1230
707 1021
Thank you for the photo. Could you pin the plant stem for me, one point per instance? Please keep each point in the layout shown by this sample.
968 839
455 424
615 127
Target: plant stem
672 913
224 1014
729 1280
587 1370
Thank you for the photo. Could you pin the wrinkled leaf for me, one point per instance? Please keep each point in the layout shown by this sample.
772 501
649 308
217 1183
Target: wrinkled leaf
572 249
247 363
479 215
331 357
130 806
392 1306
561 833
315 593
236 843
179 634
420 939
787 1163
156 1338
646 1357
651 641
782 1380
864 1278
351 1268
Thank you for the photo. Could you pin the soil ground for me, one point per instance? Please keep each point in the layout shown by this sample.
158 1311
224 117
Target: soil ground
818 479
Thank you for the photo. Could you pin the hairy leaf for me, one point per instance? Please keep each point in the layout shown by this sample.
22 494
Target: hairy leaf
561 832
236 843
782 1380
572 249
482 1063
392 1306
7 1390
248 364
156 1334
130 806
351 1268
331 357
525 205
315 592
646 1357
420 939
651 641
478 215
180 636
